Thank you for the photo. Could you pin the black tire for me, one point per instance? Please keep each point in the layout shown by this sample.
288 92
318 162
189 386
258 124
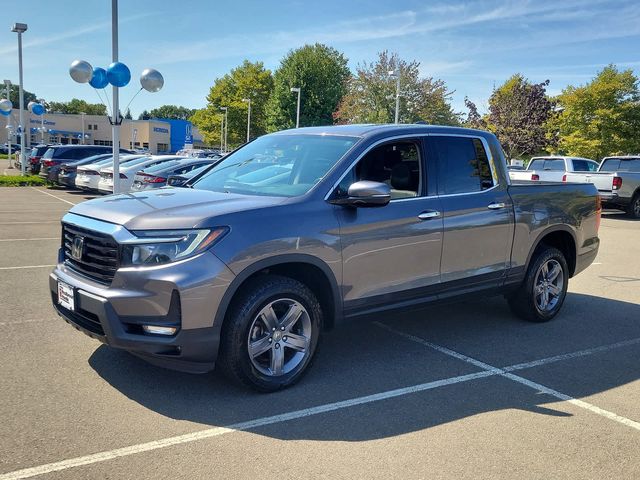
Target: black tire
633 209
525 302
242 320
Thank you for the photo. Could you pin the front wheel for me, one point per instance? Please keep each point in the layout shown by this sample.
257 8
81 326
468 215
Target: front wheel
271 333
544 289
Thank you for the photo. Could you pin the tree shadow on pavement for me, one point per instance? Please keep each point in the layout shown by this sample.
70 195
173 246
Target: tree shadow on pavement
361 358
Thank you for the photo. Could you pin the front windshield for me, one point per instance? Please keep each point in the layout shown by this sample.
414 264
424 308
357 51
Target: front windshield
278 165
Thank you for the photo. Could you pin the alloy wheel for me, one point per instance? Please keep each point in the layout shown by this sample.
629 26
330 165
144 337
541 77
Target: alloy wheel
548 285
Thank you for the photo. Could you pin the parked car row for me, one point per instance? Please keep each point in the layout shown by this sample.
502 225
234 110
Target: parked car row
90 167
617 178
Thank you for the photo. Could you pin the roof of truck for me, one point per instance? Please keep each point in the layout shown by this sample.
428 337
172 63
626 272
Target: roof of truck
365 130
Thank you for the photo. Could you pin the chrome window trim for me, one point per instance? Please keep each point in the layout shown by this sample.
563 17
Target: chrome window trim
118 232
372 146
485 144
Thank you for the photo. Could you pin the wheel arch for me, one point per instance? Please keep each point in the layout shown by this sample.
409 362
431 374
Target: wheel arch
307 269
561 237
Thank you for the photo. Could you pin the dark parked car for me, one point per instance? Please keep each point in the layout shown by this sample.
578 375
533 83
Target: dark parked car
67 173
246 269
157 175
36 155
181 180
54 157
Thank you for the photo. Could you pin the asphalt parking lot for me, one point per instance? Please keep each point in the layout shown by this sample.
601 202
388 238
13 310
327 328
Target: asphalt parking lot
456 391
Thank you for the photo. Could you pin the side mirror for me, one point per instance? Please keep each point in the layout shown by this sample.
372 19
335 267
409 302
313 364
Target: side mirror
366 193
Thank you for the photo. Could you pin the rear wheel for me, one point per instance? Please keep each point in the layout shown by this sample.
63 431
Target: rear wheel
271 333
633 210
544 289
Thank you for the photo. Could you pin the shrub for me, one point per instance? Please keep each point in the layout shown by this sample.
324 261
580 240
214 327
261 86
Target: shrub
19 181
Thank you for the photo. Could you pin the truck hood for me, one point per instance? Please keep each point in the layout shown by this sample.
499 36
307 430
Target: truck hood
170 208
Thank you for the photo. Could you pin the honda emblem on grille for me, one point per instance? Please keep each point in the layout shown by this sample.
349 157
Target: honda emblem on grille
77 247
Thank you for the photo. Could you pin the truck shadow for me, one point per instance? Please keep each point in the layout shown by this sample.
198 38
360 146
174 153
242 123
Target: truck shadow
361 358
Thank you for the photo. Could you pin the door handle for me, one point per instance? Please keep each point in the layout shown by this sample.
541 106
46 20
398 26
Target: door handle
429 214
496 205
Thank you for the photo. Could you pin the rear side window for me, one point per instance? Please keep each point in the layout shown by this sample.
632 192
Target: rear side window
463 165
556 165
48 153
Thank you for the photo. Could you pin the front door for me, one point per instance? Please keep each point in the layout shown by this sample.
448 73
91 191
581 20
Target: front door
391 254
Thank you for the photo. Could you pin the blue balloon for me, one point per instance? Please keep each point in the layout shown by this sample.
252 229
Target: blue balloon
6 114
99 78
118 74
37 109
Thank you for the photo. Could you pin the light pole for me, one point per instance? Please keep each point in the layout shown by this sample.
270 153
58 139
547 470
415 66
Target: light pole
42 129
221 132
226 126
396 74
20 28
7 84
248 100
294 90
82 116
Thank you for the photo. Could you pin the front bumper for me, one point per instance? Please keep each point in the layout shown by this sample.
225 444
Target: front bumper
115 314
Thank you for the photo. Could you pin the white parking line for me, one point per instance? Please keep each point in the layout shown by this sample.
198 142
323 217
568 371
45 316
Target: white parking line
47 193
27 239
4 324
29 223
487 371
217 431
503 372
26 266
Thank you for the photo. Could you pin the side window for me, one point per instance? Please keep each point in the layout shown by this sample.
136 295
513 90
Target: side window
632 165
581 166
610 165
463 165
556 165
397 164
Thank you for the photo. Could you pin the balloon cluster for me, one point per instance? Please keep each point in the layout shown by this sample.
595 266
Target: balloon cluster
5 107
36 108
116 74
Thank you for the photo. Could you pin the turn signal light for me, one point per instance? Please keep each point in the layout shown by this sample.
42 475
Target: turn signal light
157 330
564 177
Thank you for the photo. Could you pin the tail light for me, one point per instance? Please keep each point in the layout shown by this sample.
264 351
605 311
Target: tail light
49 163
535 176
68 168
598 211
564 177
122 175
146 178
89 172
617 183
34 160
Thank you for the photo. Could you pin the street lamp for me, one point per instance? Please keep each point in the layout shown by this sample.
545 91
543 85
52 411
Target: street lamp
226 122
396 74
7 84
42 129
20 28
248 101
294 90
83 115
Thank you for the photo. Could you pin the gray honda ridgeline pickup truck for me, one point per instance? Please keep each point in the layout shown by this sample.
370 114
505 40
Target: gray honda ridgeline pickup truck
299 230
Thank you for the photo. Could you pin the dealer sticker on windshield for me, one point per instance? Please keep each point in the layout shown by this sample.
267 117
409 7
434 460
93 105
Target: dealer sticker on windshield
65 296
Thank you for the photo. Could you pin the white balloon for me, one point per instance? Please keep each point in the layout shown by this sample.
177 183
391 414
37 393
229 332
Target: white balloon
6 105
151 80
30 106
81 71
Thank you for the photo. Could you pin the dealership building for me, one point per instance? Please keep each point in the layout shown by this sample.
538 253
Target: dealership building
158 135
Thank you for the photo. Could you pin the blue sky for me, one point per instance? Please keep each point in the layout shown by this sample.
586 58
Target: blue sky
472 45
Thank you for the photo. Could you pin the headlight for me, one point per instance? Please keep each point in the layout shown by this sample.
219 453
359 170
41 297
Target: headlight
157 247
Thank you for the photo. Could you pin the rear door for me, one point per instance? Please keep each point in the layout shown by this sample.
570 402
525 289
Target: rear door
478 212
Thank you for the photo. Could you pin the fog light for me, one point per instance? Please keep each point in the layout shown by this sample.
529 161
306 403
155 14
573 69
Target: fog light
159 330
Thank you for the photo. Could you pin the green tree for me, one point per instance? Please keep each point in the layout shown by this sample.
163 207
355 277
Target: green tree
173 112
14 96
371 95
77 106
321 73
247 81
600 118
518 114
